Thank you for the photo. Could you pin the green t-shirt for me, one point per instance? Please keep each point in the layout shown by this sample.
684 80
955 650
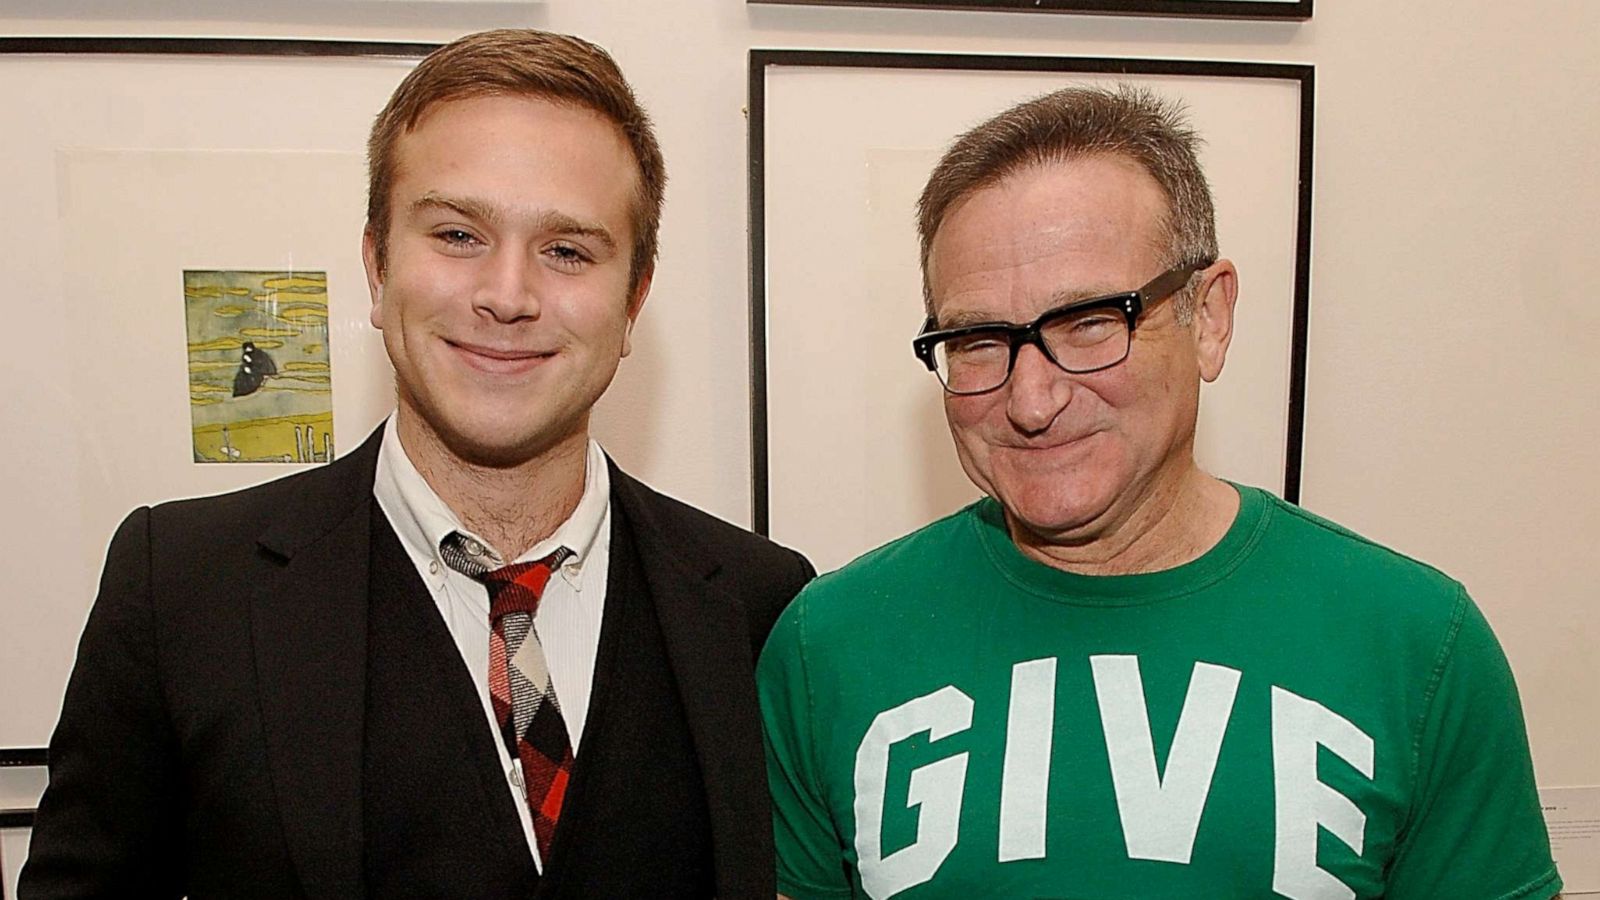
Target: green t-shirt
1298 713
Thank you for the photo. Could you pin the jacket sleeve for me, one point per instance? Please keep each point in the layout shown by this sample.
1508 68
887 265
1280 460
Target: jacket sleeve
109 823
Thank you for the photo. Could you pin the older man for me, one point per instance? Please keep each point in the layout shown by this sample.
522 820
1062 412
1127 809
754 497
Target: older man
472 658
1119 676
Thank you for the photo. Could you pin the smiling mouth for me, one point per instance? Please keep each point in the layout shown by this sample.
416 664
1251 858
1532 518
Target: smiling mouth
1060 444
502 360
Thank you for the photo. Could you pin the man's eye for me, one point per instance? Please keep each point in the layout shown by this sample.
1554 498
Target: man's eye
1084 330
569 255
1091 324
976 344
456 237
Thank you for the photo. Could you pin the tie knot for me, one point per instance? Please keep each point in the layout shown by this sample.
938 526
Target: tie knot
513 588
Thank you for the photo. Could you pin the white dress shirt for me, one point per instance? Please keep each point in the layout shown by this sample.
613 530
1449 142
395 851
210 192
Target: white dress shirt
568 620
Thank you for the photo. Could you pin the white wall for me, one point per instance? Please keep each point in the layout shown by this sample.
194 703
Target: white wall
1455 330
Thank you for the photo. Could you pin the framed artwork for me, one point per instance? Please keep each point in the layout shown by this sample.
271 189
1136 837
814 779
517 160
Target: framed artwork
1210 9
185 289
22 780
848 439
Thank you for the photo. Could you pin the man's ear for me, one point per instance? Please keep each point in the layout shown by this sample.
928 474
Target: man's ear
1213 316
369 261
635 304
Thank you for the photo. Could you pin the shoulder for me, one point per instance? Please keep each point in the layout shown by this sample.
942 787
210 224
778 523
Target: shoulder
1313 532
914 555
303 501
850 630
763 575
729 544
1330 559
888 584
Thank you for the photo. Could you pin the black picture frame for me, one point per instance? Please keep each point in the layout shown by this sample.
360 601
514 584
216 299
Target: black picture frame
763 60
101 46
1295 10
185 46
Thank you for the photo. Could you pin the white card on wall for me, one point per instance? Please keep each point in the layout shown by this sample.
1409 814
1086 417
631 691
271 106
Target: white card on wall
1573 816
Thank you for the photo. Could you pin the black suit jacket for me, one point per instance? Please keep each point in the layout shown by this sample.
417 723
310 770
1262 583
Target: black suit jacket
211 740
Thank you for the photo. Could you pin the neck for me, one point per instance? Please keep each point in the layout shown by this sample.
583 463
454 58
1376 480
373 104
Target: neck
511 507
1175 521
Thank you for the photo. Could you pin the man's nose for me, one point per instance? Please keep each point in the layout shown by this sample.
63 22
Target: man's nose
1038 391
509 290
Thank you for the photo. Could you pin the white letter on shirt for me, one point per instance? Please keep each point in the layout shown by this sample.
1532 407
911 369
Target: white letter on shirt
1025 787
936 788
1160 815
1299 726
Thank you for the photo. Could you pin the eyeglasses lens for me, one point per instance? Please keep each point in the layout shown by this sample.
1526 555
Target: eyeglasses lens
1078 341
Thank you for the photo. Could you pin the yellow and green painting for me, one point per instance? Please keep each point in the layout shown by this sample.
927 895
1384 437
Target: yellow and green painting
260 385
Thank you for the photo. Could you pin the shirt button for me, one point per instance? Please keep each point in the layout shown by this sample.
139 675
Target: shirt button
473 547
516 778
433 567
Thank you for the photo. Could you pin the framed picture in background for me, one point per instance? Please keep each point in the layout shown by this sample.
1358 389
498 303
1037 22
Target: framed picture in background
184 289
848 439
1209 9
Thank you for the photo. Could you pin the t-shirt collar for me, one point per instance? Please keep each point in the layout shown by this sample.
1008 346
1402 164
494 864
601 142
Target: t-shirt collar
988 519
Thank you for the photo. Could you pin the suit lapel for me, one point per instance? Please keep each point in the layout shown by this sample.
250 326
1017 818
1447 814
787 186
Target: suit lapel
309 629
708 645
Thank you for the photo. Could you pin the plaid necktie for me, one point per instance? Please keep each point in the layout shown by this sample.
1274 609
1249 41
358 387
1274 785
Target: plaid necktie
519 680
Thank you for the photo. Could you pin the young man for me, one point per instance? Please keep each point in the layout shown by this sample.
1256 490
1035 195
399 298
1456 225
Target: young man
472 658
1118 676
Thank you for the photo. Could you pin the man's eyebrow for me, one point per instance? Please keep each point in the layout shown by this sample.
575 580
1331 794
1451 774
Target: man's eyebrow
1063 297
966 318
1068 296
561 223
466 206
548 221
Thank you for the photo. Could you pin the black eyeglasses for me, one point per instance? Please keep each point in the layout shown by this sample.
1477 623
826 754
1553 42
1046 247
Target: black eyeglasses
1081 336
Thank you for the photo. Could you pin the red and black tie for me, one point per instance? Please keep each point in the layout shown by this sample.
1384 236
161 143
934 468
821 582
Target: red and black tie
519 680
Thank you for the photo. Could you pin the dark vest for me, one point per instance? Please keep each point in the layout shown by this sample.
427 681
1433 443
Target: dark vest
439 819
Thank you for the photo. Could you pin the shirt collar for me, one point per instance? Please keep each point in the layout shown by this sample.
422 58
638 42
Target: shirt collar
581 529
422 520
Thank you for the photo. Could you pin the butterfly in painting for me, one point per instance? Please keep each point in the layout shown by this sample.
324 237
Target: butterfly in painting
254 367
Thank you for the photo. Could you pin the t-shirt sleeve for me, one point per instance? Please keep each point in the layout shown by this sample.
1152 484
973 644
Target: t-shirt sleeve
1476 829
810 861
